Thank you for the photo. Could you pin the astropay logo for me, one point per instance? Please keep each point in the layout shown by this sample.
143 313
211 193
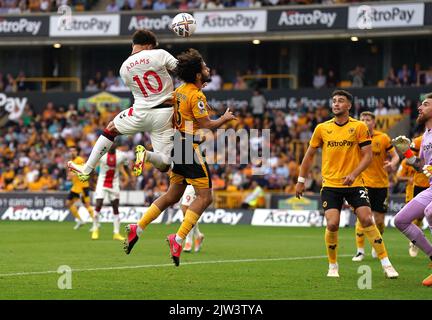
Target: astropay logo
231 21
19 26
14 106
26 214
86 25
386 16
148 22
298 18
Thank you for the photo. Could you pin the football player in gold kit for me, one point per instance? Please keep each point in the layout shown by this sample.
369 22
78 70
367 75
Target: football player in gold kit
346 153
376 180
79 190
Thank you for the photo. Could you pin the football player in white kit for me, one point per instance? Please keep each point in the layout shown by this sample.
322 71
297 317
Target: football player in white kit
108 187
188 197
146 74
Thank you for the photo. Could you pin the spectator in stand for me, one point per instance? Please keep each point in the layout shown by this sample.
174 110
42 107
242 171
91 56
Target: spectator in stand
112 6
239 83
14 9
147 4
357 77
393 110
49 113
91 86
331 79
10 83
428 76
319 79
254 4
110 79
216 82
159 5
405 81
404 74
34 5
417 76
21 84
210 4
194 4
183 5
391 80
117 87
98 79
381 109
45 6
129 5
258 102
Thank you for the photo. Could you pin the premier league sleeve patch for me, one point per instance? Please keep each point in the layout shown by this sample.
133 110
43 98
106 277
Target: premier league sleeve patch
201 106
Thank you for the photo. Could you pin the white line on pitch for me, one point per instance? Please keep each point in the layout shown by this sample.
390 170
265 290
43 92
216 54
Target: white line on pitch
170 265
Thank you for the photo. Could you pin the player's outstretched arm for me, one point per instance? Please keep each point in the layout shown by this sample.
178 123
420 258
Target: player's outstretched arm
207 123
304 170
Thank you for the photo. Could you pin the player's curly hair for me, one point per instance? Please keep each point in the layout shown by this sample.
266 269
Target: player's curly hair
189 64
143 37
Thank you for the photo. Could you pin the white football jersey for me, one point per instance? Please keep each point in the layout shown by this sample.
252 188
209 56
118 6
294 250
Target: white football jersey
145 73
109 173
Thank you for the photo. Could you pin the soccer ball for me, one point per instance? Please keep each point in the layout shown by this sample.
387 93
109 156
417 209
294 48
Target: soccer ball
183 24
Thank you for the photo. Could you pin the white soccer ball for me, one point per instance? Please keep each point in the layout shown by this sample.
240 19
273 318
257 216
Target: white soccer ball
183 25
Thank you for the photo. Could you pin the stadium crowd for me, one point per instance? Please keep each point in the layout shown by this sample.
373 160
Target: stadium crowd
34 149
28 6
403 76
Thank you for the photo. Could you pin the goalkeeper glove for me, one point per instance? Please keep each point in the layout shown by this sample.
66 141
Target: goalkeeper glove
427 170
402 144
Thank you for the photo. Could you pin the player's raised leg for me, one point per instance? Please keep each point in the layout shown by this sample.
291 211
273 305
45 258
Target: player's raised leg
134 231
102 145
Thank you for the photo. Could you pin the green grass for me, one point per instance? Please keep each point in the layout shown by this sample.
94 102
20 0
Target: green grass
215 273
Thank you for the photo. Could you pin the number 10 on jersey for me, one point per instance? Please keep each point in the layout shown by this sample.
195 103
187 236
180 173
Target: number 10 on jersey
147 83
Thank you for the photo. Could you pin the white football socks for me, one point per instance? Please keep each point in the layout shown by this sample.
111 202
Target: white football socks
102 145
116 223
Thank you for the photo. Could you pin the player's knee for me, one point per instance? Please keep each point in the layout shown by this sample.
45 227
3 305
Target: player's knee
332 226
366 222
110 132
400 222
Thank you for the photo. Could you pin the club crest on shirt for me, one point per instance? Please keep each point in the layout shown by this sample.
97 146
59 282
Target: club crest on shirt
351 130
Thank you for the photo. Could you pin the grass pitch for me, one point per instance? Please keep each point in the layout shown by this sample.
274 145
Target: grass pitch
236 262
